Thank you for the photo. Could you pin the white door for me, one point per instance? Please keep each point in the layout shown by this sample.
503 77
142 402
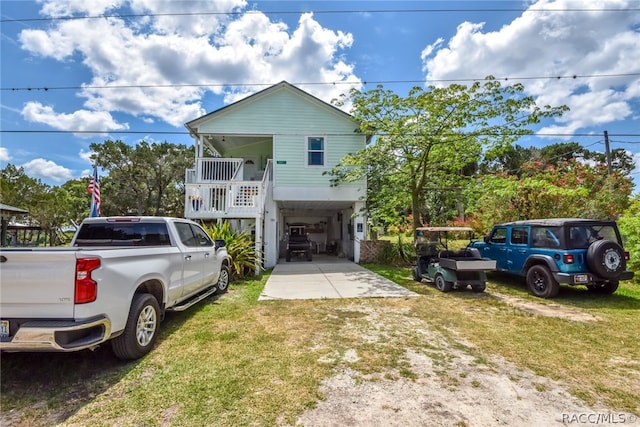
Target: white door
251 167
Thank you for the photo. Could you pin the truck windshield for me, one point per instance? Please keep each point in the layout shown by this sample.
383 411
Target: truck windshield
129 234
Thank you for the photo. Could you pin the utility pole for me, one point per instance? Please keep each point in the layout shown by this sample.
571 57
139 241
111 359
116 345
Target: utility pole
607 152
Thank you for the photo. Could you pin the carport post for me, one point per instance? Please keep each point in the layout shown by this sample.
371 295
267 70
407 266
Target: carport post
258 244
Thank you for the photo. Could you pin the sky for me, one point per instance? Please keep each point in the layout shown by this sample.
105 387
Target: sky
140 69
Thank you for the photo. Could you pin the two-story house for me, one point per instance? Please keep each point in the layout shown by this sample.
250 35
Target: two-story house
260 162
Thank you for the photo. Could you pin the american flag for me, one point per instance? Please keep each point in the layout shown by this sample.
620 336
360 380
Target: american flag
94 190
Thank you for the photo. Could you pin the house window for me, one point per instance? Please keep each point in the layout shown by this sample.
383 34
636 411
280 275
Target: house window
315 151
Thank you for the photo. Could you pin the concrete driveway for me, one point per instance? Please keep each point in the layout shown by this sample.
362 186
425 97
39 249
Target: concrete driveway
327 277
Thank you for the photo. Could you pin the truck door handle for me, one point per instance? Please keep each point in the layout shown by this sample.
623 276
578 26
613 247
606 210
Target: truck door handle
522 251
187 257
206 254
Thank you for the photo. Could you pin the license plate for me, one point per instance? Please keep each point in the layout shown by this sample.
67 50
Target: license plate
4 329
581 278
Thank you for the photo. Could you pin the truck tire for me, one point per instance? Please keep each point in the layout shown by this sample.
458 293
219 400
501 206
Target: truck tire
309 255
442 285
288 256
141 330
606 259
223 280
541 282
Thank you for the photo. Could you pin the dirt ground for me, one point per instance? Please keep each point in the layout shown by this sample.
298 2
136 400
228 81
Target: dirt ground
450 386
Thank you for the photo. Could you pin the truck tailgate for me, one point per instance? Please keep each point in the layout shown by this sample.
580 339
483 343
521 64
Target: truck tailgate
37 283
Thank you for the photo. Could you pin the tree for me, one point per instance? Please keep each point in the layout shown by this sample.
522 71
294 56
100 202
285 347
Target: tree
571 189
629 225
49 207
511 159
147 179
431 136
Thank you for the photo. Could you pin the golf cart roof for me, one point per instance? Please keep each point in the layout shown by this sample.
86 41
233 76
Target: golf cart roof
444 229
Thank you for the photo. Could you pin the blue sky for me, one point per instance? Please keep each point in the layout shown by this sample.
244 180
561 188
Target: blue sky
140 69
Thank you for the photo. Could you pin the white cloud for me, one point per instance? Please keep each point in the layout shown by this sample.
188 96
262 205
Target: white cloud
179 51
545 42
81 120
4 154
46 169
86 155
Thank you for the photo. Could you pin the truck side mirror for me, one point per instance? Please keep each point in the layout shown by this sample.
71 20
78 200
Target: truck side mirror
220 243
486 239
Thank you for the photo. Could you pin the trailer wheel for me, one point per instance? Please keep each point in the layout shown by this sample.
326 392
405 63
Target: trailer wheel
442 285
141 330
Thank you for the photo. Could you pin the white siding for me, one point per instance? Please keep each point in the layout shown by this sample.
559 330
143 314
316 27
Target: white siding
291 117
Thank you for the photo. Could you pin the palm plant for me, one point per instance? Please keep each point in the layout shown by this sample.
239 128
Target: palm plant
245 260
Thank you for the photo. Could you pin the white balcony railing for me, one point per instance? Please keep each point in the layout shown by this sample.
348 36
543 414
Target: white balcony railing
210 197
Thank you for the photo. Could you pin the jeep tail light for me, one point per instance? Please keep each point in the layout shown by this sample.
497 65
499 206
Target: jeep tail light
86 289
626 255
568 258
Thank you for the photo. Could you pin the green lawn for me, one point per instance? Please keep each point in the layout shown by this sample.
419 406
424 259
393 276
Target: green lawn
234 361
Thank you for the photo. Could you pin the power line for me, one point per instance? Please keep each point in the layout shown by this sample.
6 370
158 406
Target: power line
135 132
318 12
182 85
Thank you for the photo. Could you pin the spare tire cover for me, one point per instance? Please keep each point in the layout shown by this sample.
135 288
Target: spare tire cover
606 259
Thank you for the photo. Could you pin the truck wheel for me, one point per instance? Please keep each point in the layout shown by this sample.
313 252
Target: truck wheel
606 288
442 285
309 256
541 283
223 280
288 256
606 259
141 330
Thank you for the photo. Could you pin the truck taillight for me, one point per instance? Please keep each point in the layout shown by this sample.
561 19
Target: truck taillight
568 258
86 287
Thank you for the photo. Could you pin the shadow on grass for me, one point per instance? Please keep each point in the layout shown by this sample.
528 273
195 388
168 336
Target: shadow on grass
47 388
576 296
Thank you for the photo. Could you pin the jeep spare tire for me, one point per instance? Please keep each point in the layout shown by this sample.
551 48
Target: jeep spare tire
606 259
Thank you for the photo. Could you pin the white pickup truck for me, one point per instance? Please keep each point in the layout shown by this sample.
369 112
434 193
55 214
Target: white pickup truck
114 283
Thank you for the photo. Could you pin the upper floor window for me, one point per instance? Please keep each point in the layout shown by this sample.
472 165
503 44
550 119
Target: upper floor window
315 151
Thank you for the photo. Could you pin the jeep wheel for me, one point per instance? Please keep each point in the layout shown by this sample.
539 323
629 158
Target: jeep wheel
606 259
606 288
442 285
541 283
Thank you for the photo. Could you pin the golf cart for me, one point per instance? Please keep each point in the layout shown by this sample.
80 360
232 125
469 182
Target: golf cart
446 268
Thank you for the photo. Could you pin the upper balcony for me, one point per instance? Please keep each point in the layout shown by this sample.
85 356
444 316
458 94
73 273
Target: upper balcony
216 188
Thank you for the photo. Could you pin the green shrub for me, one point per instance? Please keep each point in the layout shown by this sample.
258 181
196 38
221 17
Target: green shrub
629 225
400 252
240 247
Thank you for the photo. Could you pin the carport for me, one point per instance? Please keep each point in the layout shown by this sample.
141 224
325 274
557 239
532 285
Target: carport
327 277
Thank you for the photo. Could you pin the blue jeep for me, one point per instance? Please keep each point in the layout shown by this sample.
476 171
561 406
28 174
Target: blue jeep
548 252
